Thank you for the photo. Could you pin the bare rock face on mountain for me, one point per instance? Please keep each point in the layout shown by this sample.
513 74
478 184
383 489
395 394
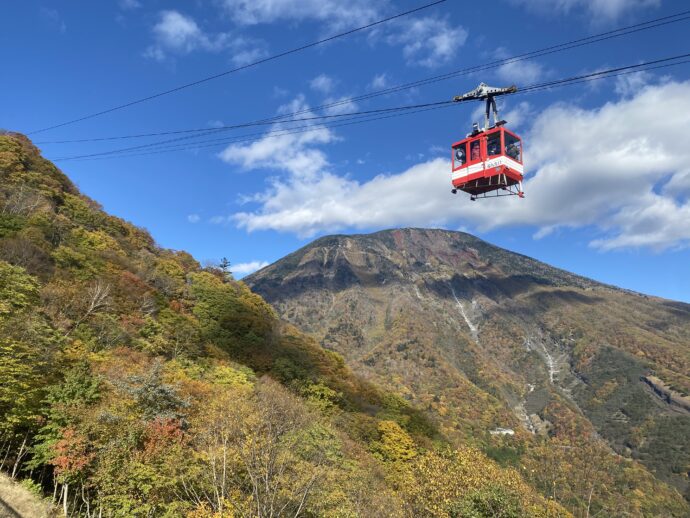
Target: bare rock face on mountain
488 340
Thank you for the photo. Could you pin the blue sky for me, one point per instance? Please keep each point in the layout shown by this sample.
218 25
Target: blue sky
608 180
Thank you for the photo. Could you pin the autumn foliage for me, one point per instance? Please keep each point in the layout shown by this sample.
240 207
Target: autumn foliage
134 382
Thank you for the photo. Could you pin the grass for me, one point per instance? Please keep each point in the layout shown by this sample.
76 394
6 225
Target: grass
17 501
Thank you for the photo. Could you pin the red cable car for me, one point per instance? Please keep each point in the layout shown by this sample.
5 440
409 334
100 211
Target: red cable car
488 163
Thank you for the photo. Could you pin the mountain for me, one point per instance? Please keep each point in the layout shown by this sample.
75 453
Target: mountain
505 352
134 382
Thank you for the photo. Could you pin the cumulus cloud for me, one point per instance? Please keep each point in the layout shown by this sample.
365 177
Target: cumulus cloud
326 84
621 169
519 115
629 84
518 72
428 41
178 34
292 152
176 31
336 14
379 82
341 105
327 202
597 9
193 218
322 83
247 268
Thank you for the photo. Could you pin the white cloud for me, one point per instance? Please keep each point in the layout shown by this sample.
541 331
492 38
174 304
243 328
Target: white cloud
178 34
280 92
621 169
129 4
341 105
437 150
655 222
53 17
325 85
629 84
379 82
291 152
247 268
596 9
218 220
517 116
678 185
520 73
193 218
335 13
322 83
327 203
245 50
154 52
428 41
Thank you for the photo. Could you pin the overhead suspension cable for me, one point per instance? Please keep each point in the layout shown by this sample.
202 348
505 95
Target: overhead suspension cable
303 119
603 74
356 118
270 134
237 69
615 33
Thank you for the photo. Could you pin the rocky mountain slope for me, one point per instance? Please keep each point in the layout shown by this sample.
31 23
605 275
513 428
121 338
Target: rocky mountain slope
492 342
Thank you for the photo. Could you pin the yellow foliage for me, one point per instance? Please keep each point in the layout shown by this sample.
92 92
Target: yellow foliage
435 482
171 268
10 154
96 240
232 377
395 443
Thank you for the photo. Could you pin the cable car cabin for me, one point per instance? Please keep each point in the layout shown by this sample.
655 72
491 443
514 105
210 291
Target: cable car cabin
488 161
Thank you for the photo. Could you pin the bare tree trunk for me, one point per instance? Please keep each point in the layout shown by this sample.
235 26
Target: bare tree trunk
4 443
20 455
65 494
98 299
74 501
86 501
589 501
7 454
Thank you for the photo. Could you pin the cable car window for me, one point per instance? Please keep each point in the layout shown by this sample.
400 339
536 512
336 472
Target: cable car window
474 151
459 156
493 144
513 147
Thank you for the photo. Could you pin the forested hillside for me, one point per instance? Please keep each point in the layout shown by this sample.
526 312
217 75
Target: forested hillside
581 385
133 382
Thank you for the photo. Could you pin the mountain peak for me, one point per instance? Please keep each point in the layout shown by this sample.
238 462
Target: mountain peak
400 255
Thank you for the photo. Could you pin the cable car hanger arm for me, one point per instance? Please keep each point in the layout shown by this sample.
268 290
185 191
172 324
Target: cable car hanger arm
488 93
